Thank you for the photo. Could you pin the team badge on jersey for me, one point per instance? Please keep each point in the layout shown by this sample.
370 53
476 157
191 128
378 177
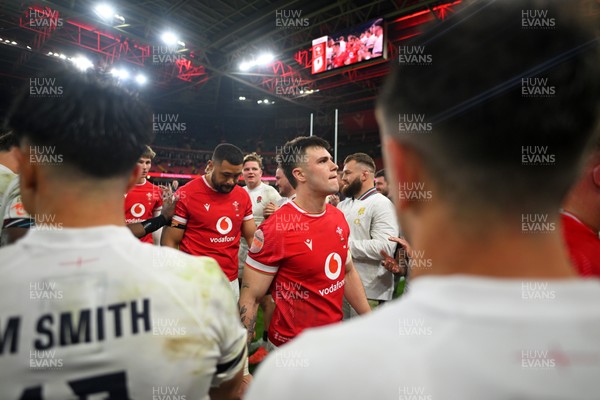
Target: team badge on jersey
259 199
361 211
258 241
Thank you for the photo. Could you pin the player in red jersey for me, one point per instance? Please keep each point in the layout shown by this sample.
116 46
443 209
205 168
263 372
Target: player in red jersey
301 251
144 200
213 213
580 218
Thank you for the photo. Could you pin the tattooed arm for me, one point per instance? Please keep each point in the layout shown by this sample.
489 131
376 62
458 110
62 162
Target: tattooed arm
254 286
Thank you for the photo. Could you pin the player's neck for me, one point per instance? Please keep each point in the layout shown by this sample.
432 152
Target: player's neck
77 209
310 202
141 181
500 250
363 190
252 186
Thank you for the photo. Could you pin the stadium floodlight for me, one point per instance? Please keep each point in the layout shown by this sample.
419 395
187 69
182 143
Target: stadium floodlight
266 101
105 11
242 98
120 73
82 63
265 58
169 38
245 66
259 101
141 79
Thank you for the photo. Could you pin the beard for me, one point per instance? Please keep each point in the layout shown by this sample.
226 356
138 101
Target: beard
219 187
353 188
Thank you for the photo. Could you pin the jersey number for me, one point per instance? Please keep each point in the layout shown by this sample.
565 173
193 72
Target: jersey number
114 384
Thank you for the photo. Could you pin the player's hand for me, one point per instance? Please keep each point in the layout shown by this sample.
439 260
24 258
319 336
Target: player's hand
391 264
244 386
401 241
269 209
334 200
169 203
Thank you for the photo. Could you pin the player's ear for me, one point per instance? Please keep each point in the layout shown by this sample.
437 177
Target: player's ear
28 176
298 173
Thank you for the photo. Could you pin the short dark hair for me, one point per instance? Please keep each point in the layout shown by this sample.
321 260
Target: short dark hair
228 152
380 173
362 158
471 94
293 153
99 129
7 140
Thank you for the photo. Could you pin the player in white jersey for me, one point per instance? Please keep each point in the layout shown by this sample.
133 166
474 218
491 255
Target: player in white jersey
8 160
496 311
372 221
86 310
261 195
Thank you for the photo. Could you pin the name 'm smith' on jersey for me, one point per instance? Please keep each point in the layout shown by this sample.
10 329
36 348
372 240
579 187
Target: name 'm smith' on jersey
307 254
213 222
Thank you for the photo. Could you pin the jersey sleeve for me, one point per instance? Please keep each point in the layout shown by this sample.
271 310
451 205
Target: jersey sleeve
273 195
248 211
181 215
266 253
159 199
14 214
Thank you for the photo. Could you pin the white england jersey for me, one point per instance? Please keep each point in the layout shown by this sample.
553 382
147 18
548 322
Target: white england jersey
451 338
94 313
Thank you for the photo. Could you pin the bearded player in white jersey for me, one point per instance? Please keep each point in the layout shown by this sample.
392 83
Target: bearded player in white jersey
86 310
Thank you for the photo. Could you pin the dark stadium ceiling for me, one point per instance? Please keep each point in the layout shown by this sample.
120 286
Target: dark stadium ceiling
218 35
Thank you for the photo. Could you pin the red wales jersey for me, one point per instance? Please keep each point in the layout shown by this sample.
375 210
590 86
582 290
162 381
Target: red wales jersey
307 254
583 244
141 202
213 222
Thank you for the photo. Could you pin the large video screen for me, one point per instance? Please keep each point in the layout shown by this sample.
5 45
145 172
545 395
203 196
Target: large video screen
360 44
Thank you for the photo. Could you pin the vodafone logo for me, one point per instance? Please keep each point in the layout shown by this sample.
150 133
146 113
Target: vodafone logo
333 266
224 225
137 210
